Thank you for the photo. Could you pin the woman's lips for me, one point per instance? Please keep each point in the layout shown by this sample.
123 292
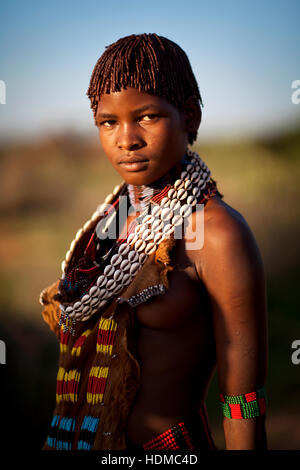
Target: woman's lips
136 166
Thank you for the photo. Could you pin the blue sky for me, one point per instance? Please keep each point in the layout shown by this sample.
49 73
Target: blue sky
245 55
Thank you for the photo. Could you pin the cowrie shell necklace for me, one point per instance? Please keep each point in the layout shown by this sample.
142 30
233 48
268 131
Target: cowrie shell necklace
150 231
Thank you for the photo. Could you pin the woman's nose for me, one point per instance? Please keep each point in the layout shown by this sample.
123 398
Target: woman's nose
129 139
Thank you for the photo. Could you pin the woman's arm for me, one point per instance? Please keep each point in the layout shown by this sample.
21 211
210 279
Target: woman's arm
230 266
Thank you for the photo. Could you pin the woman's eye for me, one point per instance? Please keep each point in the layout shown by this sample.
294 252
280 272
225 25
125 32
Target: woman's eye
107 123
148 117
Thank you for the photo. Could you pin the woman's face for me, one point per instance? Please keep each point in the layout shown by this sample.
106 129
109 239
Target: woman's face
138 126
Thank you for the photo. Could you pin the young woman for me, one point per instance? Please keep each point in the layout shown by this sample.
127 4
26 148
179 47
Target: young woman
144 315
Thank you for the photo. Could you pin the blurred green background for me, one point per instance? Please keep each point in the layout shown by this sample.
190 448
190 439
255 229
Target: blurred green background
50 187
245 56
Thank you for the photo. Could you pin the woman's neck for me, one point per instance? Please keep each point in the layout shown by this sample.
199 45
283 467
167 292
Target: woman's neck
141 195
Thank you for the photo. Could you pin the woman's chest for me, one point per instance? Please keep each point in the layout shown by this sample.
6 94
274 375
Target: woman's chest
184 301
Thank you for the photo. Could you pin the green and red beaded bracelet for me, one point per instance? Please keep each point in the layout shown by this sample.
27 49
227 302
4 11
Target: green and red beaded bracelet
249 405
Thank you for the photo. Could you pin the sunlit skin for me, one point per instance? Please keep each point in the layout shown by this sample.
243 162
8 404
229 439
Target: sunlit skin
214 314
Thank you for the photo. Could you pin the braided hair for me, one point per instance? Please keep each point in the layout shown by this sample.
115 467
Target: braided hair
150 63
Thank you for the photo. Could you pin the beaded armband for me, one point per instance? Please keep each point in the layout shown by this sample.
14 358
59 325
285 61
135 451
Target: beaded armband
245 406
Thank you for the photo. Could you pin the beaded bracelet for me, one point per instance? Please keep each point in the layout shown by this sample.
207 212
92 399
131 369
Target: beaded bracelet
249 405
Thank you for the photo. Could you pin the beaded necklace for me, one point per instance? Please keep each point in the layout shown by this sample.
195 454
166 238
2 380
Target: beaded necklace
162 211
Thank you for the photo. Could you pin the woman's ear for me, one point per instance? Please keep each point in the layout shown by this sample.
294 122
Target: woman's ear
192 114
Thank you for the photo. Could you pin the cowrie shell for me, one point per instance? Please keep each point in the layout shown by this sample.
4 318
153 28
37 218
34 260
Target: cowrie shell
188 185
134 268
196 191
172 193
86 309
118 288
94 291
118 275
78 315
125 265
116 259
123 249
191 200
78 234
147 235
73 244
126 278
132 238
116 189
139 229
150 248
183 174
177 220
85 299
95 216
155 210
63 265
108 198
178 184
77 306
132 256
194 175
140 245
104 206
148 219
165 202
69 310
68 255
168 228
166 213
94 301
182 194
103 293
110 284
108 270
142 257
157 225
185 210
175 205
158 237
196 179
190 167
87 225
101 281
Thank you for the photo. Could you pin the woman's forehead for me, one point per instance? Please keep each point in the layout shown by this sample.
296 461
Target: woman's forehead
130 99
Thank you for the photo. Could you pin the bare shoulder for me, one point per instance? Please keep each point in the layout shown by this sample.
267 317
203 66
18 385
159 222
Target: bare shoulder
228 240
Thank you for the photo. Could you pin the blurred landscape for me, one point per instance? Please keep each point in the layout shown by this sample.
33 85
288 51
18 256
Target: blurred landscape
50 187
